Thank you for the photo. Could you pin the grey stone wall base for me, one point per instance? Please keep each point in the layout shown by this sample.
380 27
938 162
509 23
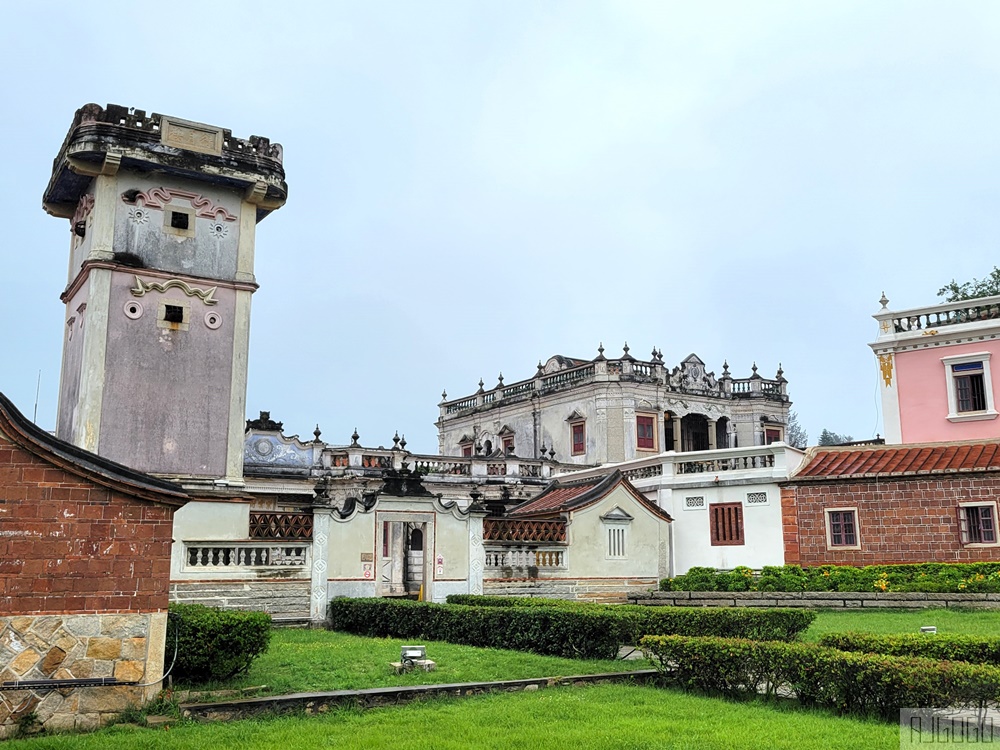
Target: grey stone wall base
285 601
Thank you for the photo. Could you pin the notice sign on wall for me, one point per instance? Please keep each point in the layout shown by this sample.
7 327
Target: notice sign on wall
366 570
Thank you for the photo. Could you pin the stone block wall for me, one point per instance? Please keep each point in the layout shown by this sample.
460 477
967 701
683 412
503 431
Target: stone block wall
287 601
605 590
129 647
84 573
908 520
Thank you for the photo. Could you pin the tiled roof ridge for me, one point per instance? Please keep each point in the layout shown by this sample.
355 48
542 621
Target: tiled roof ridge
905 459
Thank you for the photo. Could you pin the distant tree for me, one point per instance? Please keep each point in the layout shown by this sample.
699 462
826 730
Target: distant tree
985 287
795 434
832 438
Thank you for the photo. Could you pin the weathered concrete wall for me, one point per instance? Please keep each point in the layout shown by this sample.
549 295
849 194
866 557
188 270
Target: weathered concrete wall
815 599
284 600
129 647
583 589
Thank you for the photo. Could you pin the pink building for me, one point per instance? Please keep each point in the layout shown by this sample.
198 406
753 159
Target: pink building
935 364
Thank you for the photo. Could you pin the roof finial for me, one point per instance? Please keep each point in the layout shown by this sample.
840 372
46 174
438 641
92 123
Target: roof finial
317 433
402 442
354 439
884 302
395 441
500 380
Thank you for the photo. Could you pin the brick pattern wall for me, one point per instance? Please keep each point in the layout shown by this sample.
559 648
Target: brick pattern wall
68 545
899 521
602 590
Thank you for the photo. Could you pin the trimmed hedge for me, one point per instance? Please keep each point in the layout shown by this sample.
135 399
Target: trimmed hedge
582 632
944 647
938 578
481 600
850 683
215 644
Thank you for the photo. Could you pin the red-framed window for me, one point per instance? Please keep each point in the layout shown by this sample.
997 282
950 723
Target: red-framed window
645 435
467 450
726 521
843 528
979 524
508 445
579 433
772 435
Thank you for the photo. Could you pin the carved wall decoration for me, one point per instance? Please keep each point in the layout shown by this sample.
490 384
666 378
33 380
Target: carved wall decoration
218 230
138 215
159 197
83 209
885 365
271 450
206 295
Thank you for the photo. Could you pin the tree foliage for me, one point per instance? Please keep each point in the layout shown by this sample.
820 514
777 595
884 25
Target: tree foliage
988 286
826 437
795 434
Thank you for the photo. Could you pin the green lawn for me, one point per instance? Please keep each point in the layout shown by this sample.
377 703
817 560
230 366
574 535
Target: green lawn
316 660
608 716
970 622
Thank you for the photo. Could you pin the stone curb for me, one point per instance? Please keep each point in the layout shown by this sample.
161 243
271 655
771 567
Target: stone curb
323 702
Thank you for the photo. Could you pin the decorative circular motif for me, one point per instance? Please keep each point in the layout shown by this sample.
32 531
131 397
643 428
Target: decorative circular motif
218 229
133 310
138 215
263 447
213 320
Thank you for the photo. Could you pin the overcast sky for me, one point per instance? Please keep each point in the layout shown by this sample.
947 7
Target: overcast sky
477 186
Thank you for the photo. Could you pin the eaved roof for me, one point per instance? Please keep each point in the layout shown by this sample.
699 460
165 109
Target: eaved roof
559 497
83 463
848 462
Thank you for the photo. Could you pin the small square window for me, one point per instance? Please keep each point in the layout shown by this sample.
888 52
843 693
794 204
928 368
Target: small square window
179 220
726 521
579 434
978 523
173 313
842 528
645 436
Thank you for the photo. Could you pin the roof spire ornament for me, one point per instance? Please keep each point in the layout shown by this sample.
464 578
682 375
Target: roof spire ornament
395 441
480 385
884 302
402 442
354 439
725 369
600 353
500 380
316 434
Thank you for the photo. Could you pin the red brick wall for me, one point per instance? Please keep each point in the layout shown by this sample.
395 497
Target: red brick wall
898 521
69 545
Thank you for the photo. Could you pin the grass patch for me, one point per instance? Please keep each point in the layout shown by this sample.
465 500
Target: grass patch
601 717
319 660
885 622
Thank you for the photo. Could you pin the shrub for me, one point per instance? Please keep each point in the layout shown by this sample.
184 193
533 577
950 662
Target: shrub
949 578
215 644
850 683
970 648
572 630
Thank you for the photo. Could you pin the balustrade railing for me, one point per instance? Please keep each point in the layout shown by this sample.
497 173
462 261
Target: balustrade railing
963 312
643 472
520 530
567 377
518 389
432 466
496 469
281 526
376 462
731 463
466 403
519 559
529 470
234 555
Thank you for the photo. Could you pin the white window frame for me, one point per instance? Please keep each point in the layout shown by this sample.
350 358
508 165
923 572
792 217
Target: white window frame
963 524
954 415
829 536
615 526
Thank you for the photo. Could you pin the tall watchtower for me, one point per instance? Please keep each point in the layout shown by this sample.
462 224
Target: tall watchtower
162 215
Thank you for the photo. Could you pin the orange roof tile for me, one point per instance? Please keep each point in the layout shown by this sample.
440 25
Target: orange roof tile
900 460
559 498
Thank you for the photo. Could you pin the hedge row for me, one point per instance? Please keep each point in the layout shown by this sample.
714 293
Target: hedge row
214 644
970 648
728 622
850 683
578 632
950 578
